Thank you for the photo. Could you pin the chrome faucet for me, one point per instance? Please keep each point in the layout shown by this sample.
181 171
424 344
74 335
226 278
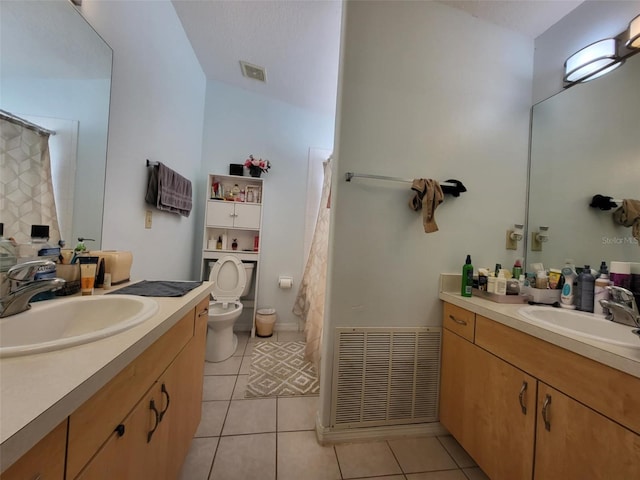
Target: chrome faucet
622 306
23 286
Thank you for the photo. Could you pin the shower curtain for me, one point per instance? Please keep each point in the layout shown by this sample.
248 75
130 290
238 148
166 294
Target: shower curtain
309 305
26 187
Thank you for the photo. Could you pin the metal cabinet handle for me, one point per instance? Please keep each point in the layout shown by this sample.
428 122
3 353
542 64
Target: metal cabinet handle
164 392
204 312
545 412
152 407
459 322
523 390
120 430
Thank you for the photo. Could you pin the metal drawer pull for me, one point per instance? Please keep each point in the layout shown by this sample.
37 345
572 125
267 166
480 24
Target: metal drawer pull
459 322
545 412
152 406
523 389
164 391
204 312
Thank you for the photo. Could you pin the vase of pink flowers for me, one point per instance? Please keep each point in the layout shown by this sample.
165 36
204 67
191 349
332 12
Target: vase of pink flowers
257 166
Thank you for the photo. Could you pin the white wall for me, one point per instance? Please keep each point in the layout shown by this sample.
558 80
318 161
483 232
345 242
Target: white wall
588 23
157 109
426 91
239 123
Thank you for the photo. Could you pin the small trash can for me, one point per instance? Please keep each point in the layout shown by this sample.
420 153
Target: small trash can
265 320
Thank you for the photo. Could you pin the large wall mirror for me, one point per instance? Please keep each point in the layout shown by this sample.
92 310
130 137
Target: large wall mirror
55 71
585 141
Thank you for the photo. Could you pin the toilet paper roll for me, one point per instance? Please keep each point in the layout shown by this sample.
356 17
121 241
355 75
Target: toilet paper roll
285 282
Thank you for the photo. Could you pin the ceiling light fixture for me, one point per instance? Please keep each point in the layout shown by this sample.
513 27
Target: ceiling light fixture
634 33
592 61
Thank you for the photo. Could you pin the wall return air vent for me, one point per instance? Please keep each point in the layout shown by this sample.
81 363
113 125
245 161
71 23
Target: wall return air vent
253 71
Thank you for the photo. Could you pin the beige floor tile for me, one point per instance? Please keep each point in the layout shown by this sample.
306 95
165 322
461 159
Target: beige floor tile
475 473
218 387
245 457
291 336
441 475
251 416
213 415
246 365
297 413
240 388
422 454
230 366
249 350
197 465
301 456
460 456
366 460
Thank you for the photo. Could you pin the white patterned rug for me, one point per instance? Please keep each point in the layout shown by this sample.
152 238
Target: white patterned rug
279 369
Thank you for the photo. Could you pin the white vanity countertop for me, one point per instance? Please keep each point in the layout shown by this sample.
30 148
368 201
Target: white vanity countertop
39 391
624 359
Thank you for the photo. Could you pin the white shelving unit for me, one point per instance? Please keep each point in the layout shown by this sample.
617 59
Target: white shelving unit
234 218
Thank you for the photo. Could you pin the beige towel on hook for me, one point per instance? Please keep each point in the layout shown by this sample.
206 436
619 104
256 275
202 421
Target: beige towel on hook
629 216
428 196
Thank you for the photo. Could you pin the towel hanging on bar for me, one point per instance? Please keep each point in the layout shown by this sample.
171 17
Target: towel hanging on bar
451 186
168 190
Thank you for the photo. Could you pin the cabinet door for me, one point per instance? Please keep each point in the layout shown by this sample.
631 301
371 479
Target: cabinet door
574 442
220 214
181 387
134 450
247 216
44 461
489 407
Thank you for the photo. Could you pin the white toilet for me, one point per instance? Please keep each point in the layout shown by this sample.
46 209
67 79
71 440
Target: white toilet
232 280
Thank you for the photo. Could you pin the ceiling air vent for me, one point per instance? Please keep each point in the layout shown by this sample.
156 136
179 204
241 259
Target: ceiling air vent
253 71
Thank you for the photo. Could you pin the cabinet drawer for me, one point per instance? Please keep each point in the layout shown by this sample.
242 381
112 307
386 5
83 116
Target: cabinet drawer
93 422
460 321
45 460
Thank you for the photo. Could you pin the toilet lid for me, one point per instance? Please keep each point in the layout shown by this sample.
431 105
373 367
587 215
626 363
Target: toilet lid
229 278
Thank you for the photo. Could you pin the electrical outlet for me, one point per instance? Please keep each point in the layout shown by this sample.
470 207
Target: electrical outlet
148 219
511 244
536 245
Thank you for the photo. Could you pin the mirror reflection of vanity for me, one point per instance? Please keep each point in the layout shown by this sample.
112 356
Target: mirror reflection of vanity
585 141
55 71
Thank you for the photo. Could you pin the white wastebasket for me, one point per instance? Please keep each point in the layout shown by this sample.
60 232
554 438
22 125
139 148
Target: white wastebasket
265 320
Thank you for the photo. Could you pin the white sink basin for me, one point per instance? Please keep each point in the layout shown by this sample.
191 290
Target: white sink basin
581 324
57 324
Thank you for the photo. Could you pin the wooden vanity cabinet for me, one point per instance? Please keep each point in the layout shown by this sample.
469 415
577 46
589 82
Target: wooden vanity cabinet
489 407
501 388
152 439
45 461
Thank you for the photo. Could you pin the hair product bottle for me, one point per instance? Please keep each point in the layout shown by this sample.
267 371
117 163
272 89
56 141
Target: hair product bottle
467 278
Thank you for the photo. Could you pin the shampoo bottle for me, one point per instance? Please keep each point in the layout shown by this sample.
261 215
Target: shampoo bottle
566 298
467 278
600 291
501 284
587 287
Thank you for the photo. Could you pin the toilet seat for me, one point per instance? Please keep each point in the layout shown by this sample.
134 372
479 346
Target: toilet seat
229 278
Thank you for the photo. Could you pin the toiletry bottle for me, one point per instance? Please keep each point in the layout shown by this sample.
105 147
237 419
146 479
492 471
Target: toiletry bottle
467 278
501 284
517 269
566 298
587 286
496 272
219 243
600 291
491 283
234 244
542 281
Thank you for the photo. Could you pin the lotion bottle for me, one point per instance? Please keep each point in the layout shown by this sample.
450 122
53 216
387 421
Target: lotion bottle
501 284
566 298
586 282
600 290
467 278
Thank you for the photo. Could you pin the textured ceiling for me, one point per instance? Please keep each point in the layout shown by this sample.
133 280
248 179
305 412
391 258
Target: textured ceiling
298 42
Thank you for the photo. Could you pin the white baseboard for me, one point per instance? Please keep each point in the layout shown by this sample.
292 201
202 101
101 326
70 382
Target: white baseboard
328 435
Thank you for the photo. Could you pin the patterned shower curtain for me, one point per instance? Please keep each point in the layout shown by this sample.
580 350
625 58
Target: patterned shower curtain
26 187
309 305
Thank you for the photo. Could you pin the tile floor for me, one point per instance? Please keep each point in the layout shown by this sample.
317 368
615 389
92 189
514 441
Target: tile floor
274 438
